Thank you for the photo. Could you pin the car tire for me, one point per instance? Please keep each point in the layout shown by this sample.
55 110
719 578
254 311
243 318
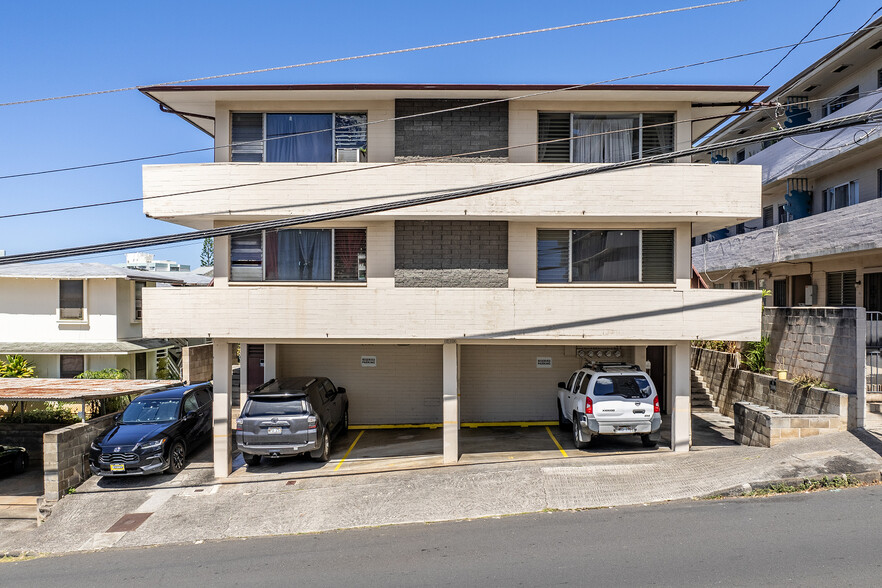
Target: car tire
177 458
323 454
647 441
20 464
251 459
562 423
577 440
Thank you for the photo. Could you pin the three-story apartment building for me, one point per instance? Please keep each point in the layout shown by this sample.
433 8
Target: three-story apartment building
466 310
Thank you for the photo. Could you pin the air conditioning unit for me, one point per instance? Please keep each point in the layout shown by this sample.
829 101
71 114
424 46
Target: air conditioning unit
349 154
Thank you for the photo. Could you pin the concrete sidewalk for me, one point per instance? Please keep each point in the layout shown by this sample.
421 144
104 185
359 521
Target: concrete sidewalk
193 506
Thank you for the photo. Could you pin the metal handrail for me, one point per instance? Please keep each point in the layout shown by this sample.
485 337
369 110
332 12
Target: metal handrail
874 329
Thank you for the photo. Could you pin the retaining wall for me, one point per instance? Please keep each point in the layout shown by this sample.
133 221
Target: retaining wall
197 363
66 455
761 426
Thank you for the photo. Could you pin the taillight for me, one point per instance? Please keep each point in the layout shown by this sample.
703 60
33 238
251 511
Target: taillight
312 422
655 407
239 424
589 406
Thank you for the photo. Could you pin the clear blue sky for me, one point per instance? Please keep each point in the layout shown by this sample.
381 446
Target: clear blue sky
52 47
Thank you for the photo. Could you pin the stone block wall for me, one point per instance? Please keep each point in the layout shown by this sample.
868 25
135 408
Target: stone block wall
197 363
761 426
66 455
27 435
451 254
729 385
460 131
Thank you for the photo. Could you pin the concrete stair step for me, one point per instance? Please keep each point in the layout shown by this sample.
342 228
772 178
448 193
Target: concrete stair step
875 407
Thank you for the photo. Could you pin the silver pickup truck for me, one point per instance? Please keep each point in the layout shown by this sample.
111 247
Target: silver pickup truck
291 416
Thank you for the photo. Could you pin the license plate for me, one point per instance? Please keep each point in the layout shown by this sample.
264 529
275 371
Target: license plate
625 429
274 431
117 467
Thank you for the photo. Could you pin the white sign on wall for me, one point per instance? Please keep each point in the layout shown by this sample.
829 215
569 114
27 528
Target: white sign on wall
543 362
368 361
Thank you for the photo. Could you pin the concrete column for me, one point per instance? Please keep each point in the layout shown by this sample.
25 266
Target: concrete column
640 356
680 394
243 373
223 410
860 368
450 401
270 361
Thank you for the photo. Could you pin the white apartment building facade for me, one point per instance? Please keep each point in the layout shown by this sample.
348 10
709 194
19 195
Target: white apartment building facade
67 318
467 310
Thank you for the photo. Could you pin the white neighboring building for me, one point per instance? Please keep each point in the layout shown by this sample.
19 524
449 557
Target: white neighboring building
66 318
148 262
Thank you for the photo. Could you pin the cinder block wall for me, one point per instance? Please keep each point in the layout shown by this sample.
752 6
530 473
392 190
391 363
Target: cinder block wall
197 363
27 435
761 426
451 254
66 455
729 386
447 133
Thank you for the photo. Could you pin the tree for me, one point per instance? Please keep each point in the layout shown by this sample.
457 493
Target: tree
207 257
16 367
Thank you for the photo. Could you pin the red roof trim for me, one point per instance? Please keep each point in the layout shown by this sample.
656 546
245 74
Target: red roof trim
468 87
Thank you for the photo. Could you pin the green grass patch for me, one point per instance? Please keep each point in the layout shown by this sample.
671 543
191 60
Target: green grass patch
825 483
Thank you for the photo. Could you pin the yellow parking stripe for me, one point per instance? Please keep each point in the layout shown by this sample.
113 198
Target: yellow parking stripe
553 438
348 451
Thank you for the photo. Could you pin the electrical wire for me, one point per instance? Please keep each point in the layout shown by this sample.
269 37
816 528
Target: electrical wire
382 53
792 49
431 113
840 122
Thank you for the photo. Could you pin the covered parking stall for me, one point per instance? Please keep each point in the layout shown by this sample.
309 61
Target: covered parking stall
449 399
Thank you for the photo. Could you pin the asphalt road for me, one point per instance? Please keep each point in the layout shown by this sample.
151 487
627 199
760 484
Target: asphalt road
825 538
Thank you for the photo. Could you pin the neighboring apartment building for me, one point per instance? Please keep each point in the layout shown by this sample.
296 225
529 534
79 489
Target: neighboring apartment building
67 318
469 310
148 262
817 241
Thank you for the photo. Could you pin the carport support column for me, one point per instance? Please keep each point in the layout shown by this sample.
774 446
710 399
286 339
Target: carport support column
243 374
223 410
270 361
681 406
450 391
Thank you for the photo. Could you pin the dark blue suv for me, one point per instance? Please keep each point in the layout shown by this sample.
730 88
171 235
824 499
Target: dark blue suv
154 433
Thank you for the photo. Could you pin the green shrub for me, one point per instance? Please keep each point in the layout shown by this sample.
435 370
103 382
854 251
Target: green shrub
49 414
807 381
16 366
753 356
105 374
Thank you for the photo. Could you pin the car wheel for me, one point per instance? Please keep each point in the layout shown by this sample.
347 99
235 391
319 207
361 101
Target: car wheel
647 441
577 436
324 452
562 423
177 457
20 464
251 459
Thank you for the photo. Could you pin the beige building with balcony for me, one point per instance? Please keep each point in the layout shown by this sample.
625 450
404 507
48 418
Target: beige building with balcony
468 310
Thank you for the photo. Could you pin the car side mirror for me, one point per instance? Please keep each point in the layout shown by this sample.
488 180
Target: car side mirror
561 384
190 414
341 390
117 417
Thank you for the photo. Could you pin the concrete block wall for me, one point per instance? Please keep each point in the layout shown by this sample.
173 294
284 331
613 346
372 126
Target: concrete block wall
66 455
196 363
27 435
761 426
729 386
451 254
459 131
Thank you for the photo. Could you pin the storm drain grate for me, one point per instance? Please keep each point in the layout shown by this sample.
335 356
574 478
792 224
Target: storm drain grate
290 482
129 522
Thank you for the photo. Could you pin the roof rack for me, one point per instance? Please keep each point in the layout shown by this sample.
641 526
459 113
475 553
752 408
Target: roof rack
600 366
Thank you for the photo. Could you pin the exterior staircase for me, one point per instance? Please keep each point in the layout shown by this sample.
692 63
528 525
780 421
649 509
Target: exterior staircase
701 399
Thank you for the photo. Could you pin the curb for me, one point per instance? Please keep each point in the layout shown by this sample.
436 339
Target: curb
867 477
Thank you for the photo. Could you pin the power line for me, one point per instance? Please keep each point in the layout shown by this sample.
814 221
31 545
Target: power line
382 53
792 49
840 122
441 111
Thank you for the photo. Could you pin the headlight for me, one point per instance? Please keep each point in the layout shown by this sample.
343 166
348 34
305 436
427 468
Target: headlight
95 447
151 444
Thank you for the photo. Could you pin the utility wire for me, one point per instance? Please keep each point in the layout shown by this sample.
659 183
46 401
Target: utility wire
383 53
792 49
840 122
451 109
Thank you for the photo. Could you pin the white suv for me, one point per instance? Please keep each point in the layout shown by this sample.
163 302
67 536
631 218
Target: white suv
609 399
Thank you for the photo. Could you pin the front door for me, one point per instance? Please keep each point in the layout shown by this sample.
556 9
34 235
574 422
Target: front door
873 292
255 366
656 356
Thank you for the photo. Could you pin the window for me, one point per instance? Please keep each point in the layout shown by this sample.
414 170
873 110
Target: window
740 229
140 366
768 216
298 137
603 138
624 386
740 156
139 288
743 285
203 396
841 288
629 256
783 216
70 300
190 403
779 292
879 183
308 255
841 101
841 196
72 365
879 79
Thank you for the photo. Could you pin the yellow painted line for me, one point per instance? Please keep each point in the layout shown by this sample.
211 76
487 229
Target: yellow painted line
348 451
553 438
522 424
420 426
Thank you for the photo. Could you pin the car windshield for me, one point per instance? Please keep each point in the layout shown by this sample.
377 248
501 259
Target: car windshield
270 407
151 410
624 386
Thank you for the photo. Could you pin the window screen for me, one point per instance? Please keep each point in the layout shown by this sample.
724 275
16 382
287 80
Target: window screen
768 216
350 255
247 136
72 365
553 256
658 133
139 299
779 293
841 288
658 257
70 299
554 126
246 258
